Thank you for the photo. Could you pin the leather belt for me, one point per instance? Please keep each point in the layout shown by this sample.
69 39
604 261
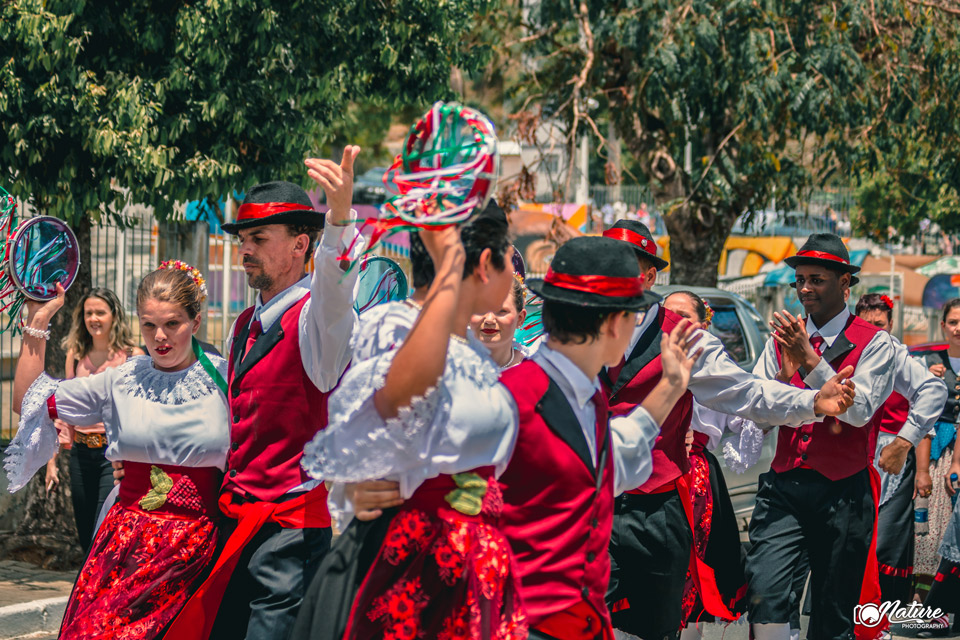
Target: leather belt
91 440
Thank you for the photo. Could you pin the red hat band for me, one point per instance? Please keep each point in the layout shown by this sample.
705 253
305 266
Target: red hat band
609 286
260 210
632 237
822 255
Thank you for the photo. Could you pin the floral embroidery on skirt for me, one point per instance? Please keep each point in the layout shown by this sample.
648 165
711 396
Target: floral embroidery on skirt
444 576
141 569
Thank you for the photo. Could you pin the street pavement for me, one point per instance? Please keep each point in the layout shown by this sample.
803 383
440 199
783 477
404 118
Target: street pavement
32 601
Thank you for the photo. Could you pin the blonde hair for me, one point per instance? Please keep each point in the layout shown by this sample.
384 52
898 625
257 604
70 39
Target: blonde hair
79 340
172 285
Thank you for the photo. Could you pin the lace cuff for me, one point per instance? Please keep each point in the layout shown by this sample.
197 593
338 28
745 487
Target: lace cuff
888 483
358 444
340 507
36 439
747 452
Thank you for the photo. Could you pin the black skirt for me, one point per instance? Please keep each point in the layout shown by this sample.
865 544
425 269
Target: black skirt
326 606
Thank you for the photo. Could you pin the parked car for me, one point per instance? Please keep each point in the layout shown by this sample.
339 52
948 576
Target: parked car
743 333
368 187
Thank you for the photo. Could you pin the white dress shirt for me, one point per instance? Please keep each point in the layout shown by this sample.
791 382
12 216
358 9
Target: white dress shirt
925 392
873 377
633 435
719 383
327 320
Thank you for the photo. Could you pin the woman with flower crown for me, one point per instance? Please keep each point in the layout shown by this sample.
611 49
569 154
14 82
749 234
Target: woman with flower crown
166 418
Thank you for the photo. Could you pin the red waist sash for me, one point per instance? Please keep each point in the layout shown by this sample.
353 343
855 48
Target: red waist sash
307 510
579 622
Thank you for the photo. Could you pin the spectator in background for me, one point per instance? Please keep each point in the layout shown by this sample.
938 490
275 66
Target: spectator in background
99 339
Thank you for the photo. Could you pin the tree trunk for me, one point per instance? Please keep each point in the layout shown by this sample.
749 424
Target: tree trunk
47 534
695 248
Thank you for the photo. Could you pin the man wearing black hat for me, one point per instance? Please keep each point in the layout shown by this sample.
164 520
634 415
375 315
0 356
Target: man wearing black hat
652 534
286 354
818 496
570 459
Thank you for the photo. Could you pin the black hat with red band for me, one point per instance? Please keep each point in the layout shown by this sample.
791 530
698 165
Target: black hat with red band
825 250
638 235
594 272
275 203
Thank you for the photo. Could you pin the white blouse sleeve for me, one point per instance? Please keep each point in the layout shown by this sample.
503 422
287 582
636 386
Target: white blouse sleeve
358 444
79 401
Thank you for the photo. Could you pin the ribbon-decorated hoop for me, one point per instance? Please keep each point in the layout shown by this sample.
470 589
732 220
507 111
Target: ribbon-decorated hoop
36 255
445 174
447 170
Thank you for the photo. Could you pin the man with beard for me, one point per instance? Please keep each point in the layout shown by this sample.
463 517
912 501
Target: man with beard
286 354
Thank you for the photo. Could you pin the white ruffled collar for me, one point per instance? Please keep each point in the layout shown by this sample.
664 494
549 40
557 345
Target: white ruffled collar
138 378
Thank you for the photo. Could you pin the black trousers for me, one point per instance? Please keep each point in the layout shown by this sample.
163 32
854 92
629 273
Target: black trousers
649 554
91 480
832 521
265 591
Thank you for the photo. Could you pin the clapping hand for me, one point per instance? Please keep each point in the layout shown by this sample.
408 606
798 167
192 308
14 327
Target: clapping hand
791 334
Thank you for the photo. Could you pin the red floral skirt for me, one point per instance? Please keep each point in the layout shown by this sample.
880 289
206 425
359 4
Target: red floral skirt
441 574
716 537
143 565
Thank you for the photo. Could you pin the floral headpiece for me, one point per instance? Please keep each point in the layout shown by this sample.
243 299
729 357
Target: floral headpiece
193 272
887 301
708 316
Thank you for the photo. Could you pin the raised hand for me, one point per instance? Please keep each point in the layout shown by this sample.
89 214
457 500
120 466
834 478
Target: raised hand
837 395
41 313
337 182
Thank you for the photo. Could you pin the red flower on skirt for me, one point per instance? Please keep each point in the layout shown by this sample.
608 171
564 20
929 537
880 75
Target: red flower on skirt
141 569
408 532
455 581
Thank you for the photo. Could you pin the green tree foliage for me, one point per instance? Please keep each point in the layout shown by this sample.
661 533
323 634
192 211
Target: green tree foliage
108 102
772 98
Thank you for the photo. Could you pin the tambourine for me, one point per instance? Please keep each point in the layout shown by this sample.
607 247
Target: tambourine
381 280
447 170
42 252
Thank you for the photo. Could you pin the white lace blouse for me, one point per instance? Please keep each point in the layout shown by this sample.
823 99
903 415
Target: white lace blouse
150 416
462 423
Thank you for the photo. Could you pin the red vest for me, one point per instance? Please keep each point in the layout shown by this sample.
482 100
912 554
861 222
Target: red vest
632 381
835 449
893 413
275 409
557 514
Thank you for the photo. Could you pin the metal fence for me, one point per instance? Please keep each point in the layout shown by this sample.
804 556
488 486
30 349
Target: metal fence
121 257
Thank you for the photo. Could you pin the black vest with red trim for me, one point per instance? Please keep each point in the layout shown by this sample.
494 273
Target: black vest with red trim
834 448
558 508
632 381
275 409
